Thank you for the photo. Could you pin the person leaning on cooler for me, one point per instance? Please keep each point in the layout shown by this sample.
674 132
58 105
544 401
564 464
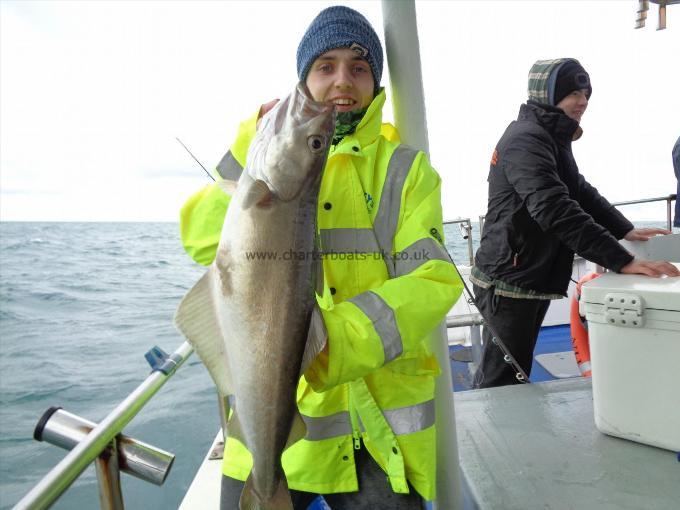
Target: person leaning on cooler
370 392
540 212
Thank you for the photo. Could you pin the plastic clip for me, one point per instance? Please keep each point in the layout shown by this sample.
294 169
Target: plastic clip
161 361
356 436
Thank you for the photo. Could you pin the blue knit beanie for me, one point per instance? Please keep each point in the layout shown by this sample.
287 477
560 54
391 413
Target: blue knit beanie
340 27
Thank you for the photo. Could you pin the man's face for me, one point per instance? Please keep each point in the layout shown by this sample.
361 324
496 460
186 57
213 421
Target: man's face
574 104
343 78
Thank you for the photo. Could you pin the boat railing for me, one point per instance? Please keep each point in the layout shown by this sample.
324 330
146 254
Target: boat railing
668 199
103 443
465 224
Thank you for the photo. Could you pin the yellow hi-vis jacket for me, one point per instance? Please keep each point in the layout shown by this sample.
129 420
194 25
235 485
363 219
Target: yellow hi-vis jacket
375 381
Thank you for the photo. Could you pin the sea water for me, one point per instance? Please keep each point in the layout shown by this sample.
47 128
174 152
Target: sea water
80 304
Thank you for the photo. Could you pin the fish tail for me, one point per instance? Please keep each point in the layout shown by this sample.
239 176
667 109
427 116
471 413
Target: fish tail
280 500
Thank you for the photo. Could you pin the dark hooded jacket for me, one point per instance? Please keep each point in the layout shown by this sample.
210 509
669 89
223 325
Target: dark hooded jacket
541 210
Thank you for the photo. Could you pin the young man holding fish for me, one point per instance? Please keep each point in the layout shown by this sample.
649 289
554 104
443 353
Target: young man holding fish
367 398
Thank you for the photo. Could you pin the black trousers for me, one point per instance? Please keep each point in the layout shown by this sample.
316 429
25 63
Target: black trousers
517 322
374 493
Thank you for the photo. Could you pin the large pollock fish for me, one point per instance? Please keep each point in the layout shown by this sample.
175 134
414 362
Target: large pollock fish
248 317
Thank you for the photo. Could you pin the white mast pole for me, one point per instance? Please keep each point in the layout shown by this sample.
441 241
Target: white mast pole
408 102
403 60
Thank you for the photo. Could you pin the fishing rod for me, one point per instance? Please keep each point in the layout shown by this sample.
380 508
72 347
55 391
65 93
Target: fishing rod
195 159
520 374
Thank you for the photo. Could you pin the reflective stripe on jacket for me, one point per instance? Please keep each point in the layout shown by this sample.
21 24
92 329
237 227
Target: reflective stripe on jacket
376 379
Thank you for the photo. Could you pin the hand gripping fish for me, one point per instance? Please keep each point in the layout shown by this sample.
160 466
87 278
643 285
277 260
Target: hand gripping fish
250 315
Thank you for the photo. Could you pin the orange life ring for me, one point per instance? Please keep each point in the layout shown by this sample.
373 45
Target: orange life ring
579 329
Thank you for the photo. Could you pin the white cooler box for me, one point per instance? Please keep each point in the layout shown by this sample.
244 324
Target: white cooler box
634 330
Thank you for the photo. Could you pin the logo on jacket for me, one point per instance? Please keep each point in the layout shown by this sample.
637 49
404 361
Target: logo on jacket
435 233
494 157
369 201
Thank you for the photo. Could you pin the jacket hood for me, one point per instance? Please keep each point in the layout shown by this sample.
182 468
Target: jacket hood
542 79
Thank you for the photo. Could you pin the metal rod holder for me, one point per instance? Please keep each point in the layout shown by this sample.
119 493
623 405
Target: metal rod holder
136 458
465 226
61 476
464 230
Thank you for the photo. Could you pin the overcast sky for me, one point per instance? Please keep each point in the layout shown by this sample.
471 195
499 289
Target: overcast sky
93 94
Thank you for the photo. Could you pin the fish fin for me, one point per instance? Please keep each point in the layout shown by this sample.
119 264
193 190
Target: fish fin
223 270
196 318
298 430
280 500
317 336
228 186
234 429
258 194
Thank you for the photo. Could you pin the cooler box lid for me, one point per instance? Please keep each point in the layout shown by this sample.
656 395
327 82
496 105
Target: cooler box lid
657 248
632 301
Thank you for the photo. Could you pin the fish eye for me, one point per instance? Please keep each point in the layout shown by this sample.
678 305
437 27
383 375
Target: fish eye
316 143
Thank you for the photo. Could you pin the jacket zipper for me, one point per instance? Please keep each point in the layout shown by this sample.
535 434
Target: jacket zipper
354 420
514 260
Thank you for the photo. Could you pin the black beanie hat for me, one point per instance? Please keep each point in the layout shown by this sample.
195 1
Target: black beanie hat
571 76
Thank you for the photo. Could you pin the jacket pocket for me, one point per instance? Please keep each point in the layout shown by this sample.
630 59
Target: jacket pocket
418 362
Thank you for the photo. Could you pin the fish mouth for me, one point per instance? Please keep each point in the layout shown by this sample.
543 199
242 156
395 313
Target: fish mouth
307 105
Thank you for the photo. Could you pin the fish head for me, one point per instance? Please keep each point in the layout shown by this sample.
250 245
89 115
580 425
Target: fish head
290 150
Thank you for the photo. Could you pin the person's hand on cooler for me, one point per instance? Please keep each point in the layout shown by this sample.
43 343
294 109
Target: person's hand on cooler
653 268
643 234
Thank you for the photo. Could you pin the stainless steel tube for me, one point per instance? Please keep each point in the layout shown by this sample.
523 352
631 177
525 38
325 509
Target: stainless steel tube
668 199
464 232
644 201
460 321
139 459
465 227
63 474
108 478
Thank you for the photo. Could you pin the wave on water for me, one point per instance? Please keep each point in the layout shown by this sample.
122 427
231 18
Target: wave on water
80 304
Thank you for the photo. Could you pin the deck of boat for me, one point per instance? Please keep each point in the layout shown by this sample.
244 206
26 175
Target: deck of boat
553 359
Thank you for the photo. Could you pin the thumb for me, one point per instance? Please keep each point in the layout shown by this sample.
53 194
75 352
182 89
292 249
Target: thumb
266 107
